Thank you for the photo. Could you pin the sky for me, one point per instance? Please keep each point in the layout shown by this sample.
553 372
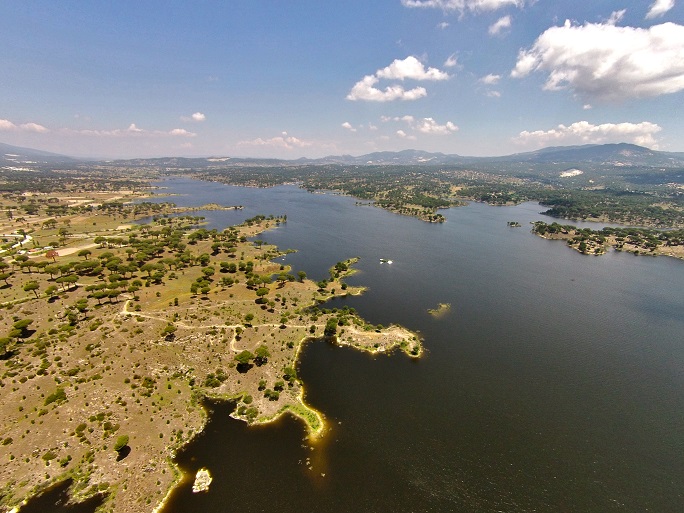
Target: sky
310 78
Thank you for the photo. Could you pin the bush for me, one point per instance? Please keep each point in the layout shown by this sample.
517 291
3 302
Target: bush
57 395
121 442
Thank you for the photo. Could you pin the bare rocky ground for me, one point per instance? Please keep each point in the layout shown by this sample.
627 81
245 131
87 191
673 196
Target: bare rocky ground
89 369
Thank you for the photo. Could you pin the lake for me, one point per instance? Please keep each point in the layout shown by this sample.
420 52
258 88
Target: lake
555 383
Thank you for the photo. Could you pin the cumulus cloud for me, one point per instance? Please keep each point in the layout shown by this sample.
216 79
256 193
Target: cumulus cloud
197 116
430 126
659 7
500 24
348 126
607 62
583 132
408 68
7 125
443 25
365 89
423 125
283 141
490 79
463 5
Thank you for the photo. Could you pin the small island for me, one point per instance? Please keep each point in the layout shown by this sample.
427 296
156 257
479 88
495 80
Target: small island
441 310
638 241
208 206
202 481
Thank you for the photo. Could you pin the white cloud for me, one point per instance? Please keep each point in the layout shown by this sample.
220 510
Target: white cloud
587 106
33 127
493 94
197 117
659 7
616 17
7 125
182 132
463 5
452 61
423 125
583 132
430 126
443 25
499 25
283 141
407 119
365 90
348 126
490 79
608 62
409 68
404 135
131 131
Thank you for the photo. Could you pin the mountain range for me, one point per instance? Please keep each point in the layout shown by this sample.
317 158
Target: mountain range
621 154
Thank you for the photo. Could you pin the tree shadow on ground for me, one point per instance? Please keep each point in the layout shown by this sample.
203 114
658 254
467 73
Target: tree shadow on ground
123 452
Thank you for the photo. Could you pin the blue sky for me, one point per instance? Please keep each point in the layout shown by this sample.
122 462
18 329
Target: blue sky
318 77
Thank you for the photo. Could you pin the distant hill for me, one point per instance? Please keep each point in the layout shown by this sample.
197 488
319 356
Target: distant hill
610 154
405 157
18 156
613 155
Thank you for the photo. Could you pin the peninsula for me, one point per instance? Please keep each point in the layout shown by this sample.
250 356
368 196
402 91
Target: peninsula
113 333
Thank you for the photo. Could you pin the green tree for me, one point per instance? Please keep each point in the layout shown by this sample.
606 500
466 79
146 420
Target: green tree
330 327
20 328
51 270
262 355
32 286
5 277
169 331
244 357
